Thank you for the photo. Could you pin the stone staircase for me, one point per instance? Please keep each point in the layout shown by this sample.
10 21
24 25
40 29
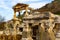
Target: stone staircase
58 35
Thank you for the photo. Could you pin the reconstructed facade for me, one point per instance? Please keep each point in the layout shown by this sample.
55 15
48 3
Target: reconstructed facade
36 25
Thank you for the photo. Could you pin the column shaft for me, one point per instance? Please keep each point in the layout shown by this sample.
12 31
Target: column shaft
26 11
14 15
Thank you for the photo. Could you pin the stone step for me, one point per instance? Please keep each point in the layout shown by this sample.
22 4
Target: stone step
58 35
57 38
59 31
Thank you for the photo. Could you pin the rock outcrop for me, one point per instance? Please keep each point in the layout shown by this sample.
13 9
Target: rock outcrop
54 7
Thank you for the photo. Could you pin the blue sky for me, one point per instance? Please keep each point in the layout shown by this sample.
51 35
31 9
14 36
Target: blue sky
6 6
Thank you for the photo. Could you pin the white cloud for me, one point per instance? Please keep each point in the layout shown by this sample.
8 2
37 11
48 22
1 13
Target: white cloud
22 1
29 0
14 2
26 0
7 5
33 5
36 5
3 5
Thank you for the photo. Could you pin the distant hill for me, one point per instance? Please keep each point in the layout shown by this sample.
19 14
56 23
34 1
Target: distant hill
54 7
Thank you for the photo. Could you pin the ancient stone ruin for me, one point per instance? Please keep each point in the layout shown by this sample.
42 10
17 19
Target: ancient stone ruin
36 25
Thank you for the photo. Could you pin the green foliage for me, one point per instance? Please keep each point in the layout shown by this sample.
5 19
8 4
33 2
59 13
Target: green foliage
57 0
1 18
57 13
2 25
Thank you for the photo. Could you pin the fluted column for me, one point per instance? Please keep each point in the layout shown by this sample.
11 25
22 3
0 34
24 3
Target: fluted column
14 14
42 29
26 14
50 30
14 33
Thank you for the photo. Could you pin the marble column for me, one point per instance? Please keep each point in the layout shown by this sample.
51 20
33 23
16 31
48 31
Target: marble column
42 29
27 33
50 30
51 34
26 14
14 14
14 33
39 31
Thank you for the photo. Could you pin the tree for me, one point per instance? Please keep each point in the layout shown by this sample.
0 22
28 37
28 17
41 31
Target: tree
2 19
2 23
57 0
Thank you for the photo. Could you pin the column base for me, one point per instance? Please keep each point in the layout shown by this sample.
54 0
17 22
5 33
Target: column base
27 39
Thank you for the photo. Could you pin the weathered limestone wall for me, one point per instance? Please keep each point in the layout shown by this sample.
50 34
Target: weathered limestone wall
10 37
